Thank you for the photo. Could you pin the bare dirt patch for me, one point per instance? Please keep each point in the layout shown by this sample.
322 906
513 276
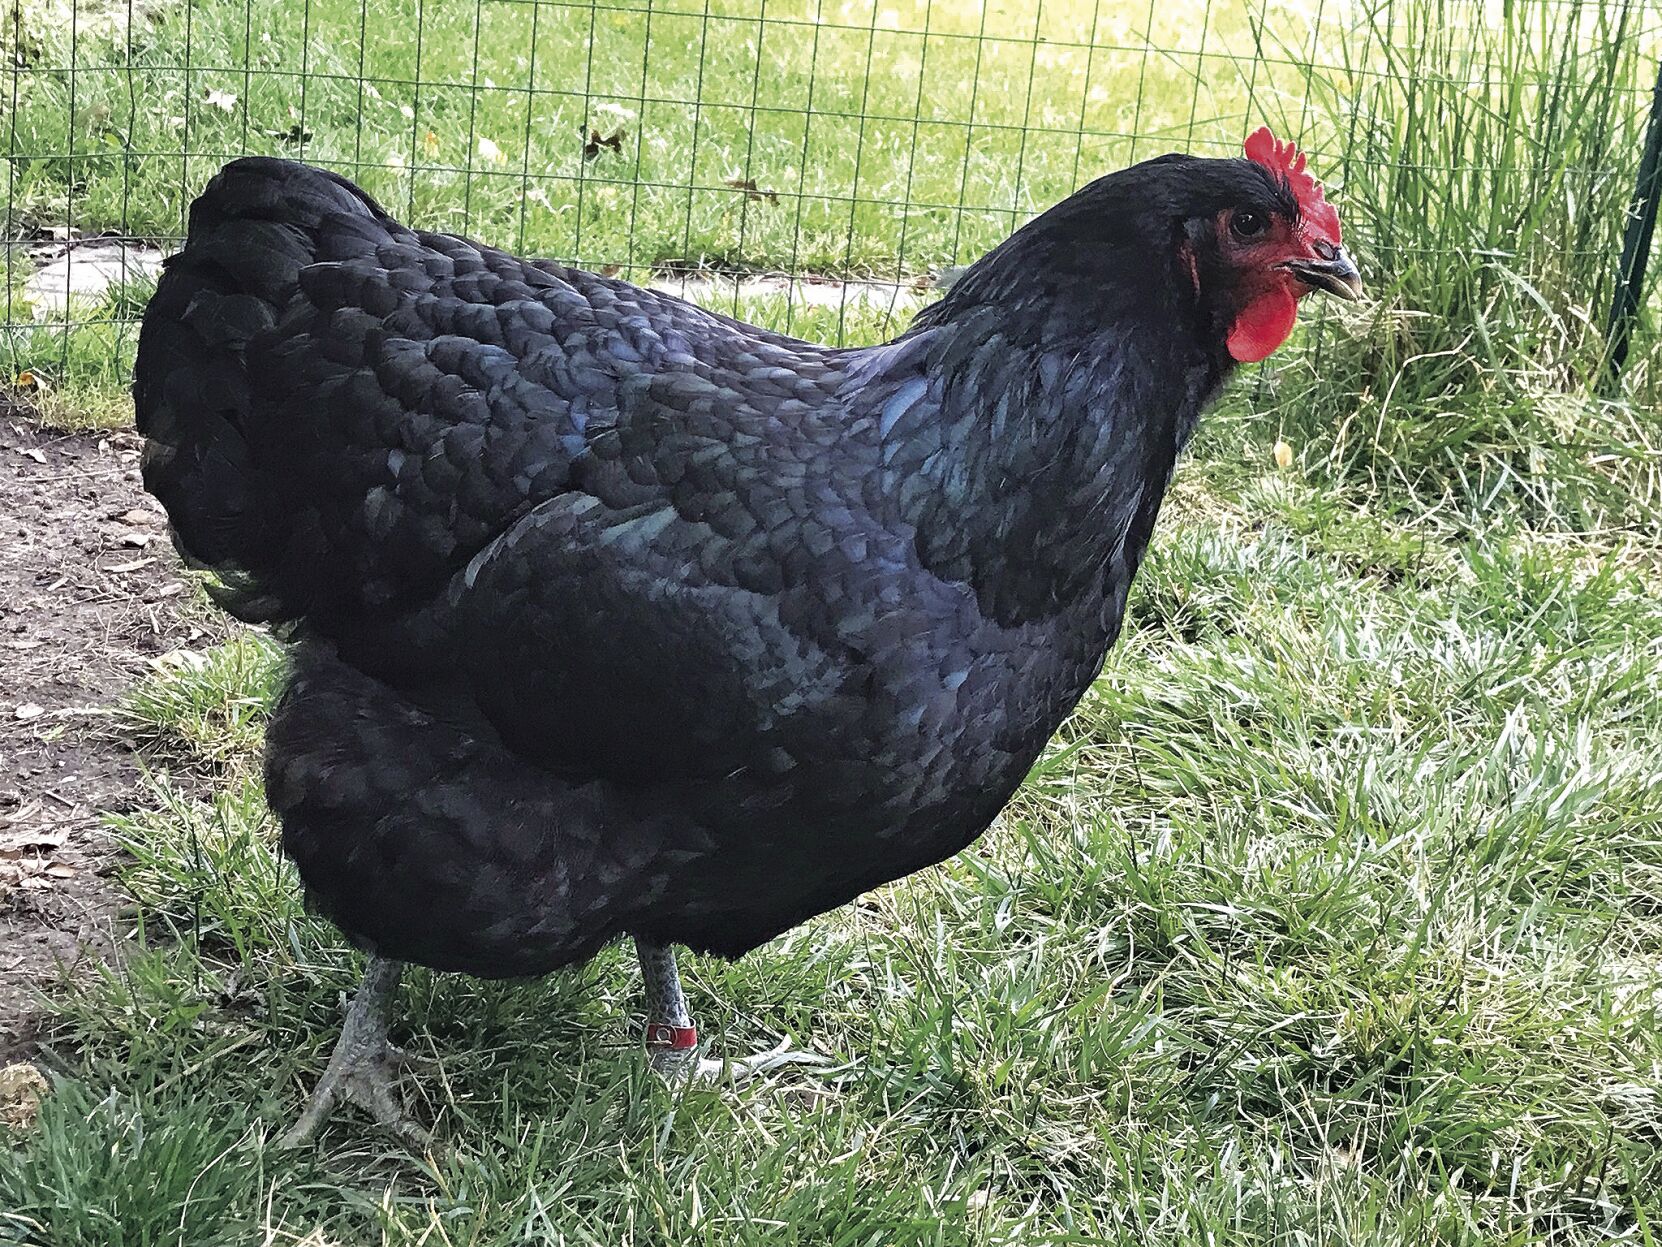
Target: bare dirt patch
90 590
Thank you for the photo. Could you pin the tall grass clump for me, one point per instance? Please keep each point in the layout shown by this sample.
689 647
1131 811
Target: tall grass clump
1486 167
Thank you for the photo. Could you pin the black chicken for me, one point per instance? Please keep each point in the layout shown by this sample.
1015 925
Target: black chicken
615 616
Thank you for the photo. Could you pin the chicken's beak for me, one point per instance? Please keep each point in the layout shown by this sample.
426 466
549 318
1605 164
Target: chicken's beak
1337 276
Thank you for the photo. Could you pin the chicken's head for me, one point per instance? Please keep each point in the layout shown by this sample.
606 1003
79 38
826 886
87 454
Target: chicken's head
1224 249
1271 253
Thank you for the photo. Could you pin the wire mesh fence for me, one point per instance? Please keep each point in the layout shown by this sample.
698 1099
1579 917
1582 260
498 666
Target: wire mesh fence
820 164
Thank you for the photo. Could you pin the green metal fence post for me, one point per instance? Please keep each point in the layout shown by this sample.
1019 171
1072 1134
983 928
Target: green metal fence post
1641 226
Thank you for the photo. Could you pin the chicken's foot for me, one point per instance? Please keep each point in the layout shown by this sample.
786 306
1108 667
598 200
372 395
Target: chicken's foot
672 1039
364 1068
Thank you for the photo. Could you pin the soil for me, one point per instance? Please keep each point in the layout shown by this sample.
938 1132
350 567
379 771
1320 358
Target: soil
90 589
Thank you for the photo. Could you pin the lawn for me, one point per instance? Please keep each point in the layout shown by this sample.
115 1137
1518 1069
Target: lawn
1334 915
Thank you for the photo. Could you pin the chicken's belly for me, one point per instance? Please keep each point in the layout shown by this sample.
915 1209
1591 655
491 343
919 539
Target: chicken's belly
426 844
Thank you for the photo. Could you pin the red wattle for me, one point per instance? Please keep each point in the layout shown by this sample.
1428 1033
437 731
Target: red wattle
1262 325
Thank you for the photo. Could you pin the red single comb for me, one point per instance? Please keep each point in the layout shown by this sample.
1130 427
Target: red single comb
1286 161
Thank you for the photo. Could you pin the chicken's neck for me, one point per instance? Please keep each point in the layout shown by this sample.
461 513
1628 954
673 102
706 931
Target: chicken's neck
1031 453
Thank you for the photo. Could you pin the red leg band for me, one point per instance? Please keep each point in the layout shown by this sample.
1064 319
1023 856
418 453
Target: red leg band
675 1038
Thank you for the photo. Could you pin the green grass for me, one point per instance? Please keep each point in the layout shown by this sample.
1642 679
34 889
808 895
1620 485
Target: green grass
206 706
837 108
1490 166
1334 915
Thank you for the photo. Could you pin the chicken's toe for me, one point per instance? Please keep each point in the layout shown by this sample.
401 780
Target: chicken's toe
691 1065
364 1068
371 1083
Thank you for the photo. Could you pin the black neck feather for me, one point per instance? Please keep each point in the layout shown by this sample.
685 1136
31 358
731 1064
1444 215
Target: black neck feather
1031 419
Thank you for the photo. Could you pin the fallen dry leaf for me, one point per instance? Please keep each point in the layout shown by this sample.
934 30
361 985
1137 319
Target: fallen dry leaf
21 842
20 852
32 452
752 191
598 143
296 133
223 100
489 150
130 567
1283 454
181 660
28 710
22 1088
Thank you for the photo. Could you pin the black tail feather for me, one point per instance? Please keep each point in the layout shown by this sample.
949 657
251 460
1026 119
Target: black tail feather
254 228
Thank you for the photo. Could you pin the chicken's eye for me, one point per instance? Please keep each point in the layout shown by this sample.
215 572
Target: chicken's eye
1248 223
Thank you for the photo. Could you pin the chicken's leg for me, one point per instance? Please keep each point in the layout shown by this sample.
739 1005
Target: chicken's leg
364 1067
672 1039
